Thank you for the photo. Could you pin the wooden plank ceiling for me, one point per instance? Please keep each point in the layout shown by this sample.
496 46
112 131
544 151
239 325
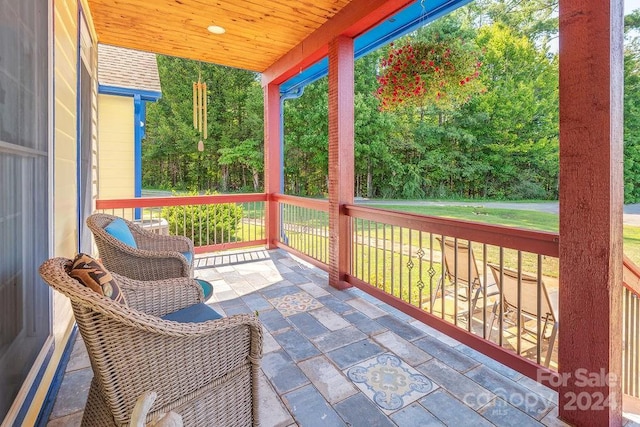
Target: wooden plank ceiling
258 32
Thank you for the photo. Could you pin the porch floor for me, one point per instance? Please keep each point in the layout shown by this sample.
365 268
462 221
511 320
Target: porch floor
329 355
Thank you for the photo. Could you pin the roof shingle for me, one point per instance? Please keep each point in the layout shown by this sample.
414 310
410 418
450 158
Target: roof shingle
127 68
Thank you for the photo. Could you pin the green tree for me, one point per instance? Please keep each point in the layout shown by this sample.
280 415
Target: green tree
632 109
518 129
232 157
373 155
535 19
306 136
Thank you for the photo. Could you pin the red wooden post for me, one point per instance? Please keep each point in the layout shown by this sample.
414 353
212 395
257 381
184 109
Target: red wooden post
591 197
341 156
272 155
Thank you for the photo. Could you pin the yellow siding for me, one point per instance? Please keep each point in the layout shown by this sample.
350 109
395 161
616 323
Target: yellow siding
65 231
65 127
115 147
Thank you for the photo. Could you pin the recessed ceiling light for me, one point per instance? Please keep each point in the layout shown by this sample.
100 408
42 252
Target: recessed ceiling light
216 29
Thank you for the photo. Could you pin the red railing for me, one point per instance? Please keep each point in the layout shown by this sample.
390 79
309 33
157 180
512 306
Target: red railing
397 258
304 228
453 275
400 258
213 222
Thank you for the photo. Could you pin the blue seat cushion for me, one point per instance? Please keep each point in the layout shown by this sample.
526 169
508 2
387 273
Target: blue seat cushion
193 314
207 288
188 256
120 230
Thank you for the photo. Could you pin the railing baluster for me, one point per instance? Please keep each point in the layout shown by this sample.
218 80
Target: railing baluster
354 246
305 236
519 306
635 345
431 276
218 230
316 240
285 223
401 263
485 284
410 266
501 303
297 222
469 286
420 261
309 232
539 333
626 344
384 257
369 251
455 281
361 238
442 279
207 225
393 256
376 250
301 229
229 238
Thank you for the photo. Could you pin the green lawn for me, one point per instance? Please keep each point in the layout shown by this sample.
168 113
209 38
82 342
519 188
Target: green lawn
515 218
508 217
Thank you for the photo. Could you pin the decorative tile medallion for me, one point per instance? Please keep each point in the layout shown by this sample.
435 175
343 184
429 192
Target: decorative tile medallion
295 303
389 382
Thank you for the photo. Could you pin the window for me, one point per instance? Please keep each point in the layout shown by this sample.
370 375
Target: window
24 174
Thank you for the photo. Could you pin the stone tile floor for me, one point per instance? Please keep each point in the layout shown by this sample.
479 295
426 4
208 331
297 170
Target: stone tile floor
344 358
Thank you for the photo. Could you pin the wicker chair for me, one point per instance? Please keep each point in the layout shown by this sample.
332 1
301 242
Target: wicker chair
207 372
157 257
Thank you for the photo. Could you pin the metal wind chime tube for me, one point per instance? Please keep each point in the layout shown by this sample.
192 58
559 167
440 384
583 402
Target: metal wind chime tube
200 110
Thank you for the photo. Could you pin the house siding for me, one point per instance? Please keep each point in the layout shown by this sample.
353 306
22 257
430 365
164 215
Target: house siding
116 147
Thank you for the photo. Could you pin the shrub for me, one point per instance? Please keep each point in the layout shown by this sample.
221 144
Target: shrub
527 190
204 224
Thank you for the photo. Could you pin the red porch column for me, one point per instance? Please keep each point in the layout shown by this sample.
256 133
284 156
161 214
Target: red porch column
272 155
341 156
591 197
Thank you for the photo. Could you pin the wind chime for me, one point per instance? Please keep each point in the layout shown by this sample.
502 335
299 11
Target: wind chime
200 110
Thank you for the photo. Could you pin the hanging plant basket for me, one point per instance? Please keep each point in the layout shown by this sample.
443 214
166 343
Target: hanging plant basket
421 73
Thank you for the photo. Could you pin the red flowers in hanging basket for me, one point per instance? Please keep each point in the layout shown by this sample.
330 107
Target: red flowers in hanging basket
419 73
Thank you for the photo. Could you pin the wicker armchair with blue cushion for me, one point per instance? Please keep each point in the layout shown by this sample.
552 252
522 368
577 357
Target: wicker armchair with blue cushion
160 336
129 250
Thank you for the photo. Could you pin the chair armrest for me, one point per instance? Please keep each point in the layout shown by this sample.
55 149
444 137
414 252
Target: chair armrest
143 264
160 297
174 359
156 242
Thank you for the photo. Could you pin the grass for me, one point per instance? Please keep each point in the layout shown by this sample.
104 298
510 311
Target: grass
508 217
542 221
631 239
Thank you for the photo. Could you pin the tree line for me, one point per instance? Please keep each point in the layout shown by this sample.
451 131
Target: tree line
501 143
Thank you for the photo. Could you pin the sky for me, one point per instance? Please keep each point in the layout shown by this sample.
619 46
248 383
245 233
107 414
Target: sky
631 5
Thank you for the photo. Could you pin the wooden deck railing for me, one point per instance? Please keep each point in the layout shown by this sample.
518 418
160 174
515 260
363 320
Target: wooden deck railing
453 275
421 265
304 228
214 222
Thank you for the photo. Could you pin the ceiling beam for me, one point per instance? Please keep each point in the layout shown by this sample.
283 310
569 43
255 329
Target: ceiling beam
354 19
